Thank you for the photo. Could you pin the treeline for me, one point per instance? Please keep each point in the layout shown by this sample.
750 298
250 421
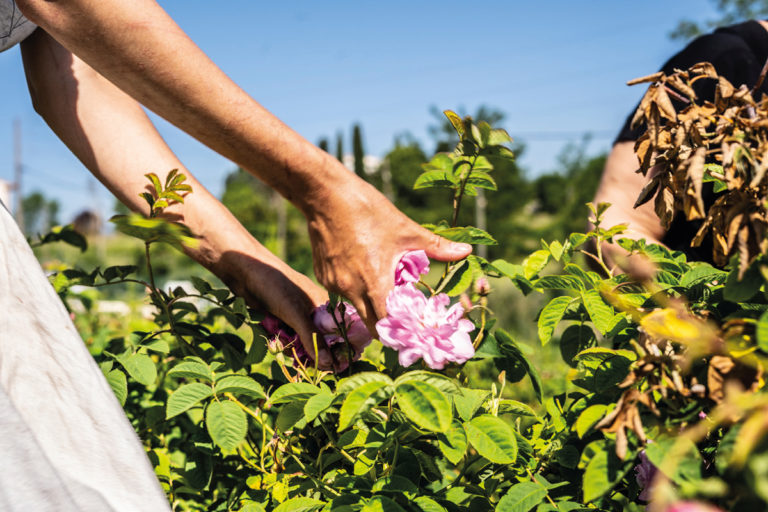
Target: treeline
523 210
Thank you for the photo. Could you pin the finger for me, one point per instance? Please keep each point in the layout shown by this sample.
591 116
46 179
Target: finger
442 249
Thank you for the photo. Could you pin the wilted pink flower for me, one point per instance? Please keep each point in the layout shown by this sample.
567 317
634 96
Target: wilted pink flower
692 506
420 327
644 474
702 415
277 330
410 267
329 325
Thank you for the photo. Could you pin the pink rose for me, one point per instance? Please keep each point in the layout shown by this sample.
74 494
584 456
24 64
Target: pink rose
410 267
333 352
691 506
423 328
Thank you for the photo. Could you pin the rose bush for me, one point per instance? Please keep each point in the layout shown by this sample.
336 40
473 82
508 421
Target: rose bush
664 403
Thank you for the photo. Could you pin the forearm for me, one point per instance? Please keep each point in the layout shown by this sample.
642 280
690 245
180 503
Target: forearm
113 137
620 186
143 52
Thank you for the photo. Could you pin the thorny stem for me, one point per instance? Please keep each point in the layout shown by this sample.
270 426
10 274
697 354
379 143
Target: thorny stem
458 196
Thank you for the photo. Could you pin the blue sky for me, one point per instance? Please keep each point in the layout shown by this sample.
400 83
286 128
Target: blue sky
556 68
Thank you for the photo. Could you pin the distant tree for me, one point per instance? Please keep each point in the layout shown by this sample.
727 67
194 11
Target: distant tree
729 12
270 218
40 213
563 194
357 150
340 147
323 144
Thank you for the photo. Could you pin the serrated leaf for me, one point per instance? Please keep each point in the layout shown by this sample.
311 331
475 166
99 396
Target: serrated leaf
453 443
425 405
317 404
701 273
458 281
152 177
240 385
603 471
456 121
468 234
226 423
119 384
534 263
761 332
565 282
550 316
350 383
482 179
435 179
441 382
381 504
428 505
510 348
507 406
360 400
589 417
300 505
140 367
189 369
469 401
599 312
293 391
522 497
186 397
492 438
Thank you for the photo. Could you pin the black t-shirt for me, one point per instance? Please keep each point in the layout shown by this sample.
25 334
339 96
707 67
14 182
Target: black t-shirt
738 53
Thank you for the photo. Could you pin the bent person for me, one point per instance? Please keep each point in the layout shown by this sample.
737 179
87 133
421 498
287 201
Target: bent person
90 66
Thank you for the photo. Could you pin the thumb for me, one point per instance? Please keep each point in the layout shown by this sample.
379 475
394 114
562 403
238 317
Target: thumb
442 249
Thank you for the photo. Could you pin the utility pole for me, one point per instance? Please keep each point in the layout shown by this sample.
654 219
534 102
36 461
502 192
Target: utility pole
18 169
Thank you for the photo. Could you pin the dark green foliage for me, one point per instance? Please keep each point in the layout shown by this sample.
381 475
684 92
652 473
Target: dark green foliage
357 150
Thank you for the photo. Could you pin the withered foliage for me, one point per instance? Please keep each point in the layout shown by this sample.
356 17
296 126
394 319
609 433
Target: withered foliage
725 141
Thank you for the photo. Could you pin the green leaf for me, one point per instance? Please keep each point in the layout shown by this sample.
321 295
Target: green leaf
381 504
559 283
317 404
599 312
351 383
700 273
155 182
456 121
458 281
140 367
293 391
589 417
191 369
428 505
522 497
535 263
507 406
742 290
469 401
602 369
453 443
240 385
300 505
434 179
291 416
493 438
574 340
678 458
425 405
511 350
468 234
556 250
226 424
761 332
550 316
119 384
441 382
186 397
360 400
508 269
481 179
603 471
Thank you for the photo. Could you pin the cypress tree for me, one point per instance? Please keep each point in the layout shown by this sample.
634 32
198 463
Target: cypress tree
357 150
323 144
340 147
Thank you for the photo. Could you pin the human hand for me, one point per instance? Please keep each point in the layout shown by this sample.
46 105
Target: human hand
358 237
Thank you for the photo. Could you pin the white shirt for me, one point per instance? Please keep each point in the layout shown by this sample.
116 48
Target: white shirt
14 27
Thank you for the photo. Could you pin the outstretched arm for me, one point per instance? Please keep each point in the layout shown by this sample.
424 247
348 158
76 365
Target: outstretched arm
620 185
113 137
357 235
